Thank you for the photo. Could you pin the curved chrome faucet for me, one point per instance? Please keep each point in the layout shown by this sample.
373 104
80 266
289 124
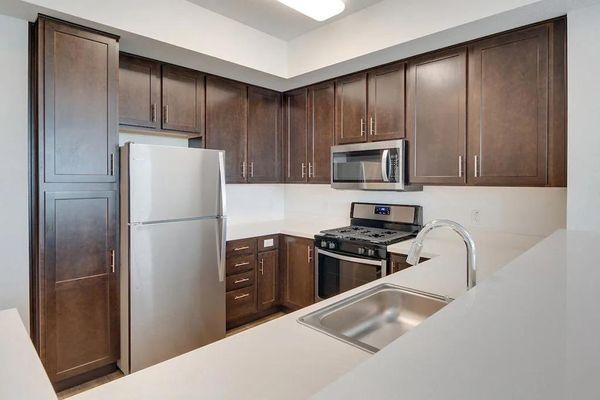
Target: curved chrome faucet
414 254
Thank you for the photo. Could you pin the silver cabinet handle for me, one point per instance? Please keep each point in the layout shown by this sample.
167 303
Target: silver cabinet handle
166 113
241 296
460 166
476 166
262 266
241 280
112 261
372 126
311 172
243 169
241 248
362 127
303 171
309 254
242 264
153 112
252 169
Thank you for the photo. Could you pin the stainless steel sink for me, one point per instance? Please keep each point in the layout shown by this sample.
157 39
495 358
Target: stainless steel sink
374 318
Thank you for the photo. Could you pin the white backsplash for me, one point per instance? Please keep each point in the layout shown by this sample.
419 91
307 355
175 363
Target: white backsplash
255 203
529 211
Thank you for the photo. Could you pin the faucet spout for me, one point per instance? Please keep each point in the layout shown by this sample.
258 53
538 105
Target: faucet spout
414 253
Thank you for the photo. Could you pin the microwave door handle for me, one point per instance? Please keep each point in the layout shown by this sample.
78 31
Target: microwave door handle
384 165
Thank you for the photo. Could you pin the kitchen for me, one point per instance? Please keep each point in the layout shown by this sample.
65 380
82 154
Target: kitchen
331 166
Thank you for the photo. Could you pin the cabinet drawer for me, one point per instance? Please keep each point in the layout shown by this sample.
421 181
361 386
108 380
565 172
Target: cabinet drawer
239 281
268 242
241 247
241 302
236 265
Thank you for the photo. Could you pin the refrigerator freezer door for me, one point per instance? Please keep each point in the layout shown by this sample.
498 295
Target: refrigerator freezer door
170 183
177 301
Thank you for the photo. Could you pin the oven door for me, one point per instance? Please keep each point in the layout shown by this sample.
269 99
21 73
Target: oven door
371 166
336 273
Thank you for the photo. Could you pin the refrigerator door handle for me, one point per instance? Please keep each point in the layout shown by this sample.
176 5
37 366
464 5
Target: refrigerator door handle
221 259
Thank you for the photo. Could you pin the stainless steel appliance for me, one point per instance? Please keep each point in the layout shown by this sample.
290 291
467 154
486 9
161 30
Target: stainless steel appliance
351 256
172 252
370 166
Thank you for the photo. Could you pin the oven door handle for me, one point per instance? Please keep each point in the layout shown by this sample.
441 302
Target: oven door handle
349 259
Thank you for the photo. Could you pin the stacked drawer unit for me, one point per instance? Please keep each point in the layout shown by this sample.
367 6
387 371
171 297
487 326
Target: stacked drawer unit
246 277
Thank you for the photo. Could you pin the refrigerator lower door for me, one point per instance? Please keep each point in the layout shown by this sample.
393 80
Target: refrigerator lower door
177 299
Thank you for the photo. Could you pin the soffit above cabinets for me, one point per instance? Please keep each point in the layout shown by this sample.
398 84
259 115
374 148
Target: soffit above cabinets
273 17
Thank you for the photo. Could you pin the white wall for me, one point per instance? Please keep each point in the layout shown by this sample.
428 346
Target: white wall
584 119
529 211
14 239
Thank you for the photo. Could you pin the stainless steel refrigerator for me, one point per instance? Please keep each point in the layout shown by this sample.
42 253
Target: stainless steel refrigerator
173 224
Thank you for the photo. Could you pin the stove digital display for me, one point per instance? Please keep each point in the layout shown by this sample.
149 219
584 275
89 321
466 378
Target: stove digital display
380 210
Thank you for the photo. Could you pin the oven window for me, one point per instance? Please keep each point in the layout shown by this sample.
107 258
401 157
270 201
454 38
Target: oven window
336 276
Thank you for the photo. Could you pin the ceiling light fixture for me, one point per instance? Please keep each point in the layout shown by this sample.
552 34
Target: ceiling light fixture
319 10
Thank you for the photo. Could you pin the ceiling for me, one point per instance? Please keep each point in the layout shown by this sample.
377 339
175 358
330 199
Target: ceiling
274 18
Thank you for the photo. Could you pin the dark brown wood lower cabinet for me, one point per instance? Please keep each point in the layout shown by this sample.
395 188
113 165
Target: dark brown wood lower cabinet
298 269
268 280
80 329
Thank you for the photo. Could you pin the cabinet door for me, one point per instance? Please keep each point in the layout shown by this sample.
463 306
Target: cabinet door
79 71
81 324
139 92
386 103
295 138
321 99
182 100
264 135
437 117
268 280
226 103
508 109
298 272
351 109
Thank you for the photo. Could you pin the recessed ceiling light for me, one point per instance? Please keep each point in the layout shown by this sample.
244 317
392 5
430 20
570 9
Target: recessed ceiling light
319 10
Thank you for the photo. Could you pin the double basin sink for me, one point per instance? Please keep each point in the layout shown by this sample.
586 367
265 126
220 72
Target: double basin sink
375 317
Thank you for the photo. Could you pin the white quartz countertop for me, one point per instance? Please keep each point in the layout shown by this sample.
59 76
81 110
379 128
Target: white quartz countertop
302 227
531 331
282 359
22 375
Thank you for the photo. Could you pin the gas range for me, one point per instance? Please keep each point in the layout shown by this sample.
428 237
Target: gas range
353 255
373 228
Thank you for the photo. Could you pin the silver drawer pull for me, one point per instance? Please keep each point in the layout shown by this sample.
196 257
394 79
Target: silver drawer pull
241 248
241 296
242 264
241 280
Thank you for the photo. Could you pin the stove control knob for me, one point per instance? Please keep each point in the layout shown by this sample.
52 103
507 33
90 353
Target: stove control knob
323 243
361 250
370 252
331 245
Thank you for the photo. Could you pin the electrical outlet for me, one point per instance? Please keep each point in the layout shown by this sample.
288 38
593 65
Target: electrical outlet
475 217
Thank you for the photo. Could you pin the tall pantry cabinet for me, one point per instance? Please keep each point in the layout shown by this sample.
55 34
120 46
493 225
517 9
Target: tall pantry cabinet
74 186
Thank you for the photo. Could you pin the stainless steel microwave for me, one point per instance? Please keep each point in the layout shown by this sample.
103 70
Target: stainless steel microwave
370 166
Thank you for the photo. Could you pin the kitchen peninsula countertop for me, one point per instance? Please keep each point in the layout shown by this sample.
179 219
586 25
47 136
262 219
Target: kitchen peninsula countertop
283 359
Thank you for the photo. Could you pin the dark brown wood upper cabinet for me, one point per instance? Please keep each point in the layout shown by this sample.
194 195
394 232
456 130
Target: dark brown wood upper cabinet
351 109
139 92
264 135
508 108
268 280
437 117
182 100
297 259
81 313
321 112
295 136
226 113
80 79
386 103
